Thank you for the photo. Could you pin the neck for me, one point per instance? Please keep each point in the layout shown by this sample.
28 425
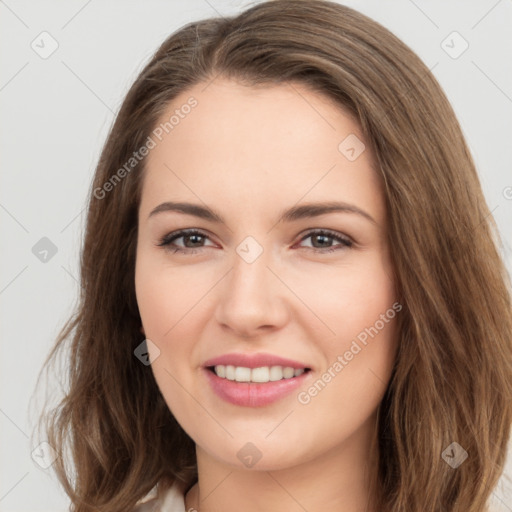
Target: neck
340 480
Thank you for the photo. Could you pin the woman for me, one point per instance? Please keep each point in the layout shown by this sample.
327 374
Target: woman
291 293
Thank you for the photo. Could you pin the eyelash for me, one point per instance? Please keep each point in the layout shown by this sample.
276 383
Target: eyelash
168 239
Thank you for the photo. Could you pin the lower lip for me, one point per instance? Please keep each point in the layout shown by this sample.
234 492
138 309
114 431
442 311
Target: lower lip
253 394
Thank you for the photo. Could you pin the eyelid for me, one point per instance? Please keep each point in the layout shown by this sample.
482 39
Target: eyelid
344 240
170 237
329 232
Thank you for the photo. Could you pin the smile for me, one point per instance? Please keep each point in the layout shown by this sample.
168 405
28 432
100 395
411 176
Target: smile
261 375
254 387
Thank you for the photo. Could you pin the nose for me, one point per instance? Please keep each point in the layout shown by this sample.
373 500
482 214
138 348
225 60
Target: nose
252 299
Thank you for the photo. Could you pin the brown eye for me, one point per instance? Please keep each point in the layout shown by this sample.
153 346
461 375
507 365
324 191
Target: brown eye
192 239
322 241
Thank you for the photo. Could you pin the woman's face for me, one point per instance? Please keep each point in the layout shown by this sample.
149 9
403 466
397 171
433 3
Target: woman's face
272 272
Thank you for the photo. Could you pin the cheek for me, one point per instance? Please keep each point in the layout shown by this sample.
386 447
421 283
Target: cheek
358 364
163 303
171 310
153 299
350 299
165 296
358 371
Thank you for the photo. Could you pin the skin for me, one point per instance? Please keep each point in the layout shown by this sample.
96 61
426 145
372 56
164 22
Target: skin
249 153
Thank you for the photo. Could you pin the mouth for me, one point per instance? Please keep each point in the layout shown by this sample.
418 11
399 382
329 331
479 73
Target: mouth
259 386
260 375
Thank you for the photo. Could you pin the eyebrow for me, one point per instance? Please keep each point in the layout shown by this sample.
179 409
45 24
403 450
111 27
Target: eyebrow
304 211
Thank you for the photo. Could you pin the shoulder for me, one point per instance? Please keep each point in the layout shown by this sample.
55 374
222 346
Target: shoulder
170 499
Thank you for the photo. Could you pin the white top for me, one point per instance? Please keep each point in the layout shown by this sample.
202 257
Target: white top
169 500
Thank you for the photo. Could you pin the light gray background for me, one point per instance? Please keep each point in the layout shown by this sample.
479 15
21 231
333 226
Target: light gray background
55 116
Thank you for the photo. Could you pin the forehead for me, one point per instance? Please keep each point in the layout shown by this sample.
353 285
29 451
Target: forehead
254 146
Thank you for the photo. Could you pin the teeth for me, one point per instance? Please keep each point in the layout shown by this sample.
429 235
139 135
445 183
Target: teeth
221 371
230 372
276 373
262 374
288 372
242 374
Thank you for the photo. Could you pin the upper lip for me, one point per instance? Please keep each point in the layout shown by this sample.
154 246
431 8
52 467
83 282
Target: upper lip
254 361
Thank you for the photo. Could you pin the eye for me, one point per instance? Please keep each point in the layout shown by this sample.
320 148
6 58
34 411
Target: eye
195 237
321 239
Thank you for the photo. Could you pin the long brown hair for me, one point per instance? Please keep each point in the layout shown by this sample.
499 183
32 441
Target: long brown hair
452 380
